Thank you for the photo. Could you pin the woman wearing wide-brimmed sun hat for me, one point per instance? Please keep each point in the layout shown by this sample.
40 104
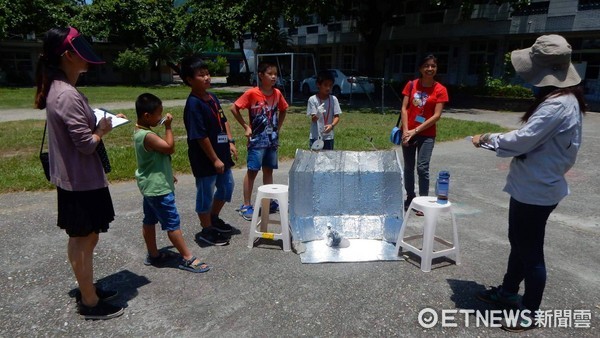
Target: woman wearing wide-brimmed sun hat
78 160
543 150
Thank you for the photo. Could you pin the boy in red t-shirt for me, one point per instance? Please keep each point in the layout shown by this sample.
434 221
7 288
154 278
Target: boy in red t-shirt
266 111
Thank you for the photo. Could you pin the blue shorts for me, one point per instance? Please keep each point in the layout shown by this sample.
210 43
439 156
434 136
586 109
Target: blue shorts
205 190
258 157
161 209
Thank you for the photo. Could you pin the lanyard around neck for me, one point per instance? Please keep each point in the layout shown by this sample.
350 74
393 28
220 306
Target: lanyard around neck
142 127
214 108
328 110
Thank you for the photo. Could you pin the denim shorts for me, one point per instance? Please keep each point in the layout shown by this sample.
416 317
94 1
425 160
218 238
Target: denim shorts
161 209
205 190
259 157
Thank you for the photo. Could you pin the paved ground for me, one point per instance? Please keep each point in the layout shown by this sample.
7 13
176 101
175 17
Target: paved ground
265 292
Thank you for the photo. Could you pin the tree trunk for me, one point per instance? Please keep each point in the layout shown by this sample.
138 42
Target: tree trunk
241 42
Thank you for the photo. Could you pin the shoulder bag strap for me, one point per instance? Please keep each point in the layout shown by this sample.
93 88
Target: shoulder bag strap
43 137
409 94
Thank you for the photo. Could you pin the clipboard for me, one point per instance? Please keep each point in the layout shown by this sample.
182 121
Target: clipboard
116 121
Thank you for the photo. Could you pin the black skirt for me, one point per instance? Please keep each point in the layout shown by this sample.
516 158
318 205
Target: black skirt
82 212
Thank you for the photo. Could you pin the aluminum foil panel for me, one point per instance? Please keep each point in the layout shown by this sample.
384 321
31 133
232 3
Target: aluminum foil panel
352 250
358 194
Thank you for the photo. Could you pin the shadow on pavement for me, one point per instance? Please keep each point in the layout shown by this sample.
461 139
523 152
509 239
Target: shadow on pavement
464 292
125 281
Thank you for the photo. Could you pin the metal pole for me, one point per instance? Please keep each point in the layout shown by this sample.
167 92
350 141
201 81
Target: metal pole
350 90
292 81
382 94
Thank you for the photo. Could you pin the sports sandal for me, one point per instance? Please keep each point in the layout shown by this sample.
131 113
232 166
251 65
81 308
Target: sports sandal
190 266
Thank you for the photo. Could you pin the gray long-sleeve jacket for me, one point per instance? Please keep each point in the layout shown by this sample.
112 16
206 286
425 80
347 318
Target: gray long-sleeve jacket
74 163
544 149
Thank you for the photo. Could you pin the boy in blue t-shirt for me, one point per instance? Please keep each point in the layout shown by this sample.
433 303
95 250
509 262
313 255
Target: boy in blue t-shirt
210 147
155 180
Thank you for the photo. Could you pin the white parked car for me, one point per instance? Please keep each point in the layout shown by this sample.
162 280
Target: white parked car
344 84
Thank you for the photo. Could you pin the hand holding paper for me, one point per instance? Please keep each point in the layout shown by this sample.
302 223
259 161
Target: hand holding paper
115 120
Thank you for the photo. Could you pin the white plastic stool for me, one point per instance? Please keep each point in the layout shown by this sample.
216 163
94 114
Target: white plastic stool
265 193
432 210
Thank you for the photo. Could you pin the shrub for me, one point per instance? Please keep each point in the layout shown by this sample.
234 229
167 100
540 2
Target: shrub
218 66
497 87
132 63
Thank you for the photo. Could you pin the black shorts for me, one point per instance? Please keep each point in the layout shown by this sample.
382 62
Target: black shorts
82 212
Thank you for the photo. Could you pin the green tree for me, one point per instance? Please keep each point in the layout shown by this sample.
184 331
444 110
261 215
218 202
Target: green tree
228 21
163 52
136 23
26 16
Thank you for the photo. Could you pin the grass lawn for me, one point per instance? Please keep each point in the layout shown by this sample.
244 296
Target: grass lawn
24 97
20 169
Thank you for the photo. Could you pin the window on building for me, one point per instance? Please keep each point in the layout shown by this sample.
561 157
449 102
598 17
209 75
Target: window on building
325 57
348 57
482 56
292 31
592 60
398 20
334 27
533 8
412 7
432 17
588 44
404 60
322 38
312 29
440 51
409 63
519 44
584 5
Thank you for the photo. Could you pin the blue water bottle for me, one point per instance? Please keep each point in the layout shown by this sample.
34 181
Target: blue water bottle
442 186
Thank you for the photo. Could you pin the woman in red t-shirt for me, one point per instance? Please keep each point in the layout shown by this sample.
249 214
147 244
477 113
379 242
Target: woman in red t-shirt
424 99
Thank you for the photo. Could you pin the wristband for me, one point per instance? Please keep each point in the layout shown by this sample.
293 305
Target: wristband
232 140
